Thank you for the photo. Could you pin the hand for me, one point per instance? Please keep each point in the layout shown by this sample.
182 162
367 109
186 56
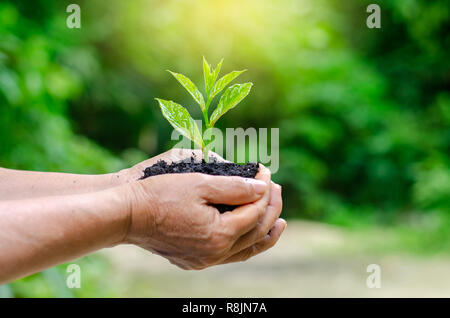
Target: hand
175 154
172 215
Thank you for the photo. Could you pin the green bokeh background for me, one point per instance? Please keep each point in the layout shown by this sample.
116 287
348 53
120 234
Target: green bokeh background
364 114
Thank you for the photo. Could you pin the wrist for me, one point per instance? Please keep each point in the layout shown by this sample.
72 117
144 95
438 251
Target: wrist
138 205
117 212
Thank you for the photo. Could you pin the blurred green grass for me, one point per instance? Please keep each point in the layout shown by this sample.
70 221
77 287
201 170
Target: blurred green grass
364 114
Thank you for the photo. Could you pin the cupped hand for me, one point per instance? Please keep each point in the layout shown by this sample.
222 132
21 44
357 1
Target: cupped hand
174 216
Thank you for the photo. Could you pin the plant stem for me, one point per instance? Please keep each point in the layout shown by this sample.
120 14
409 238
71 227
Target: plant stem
205 116
205 113
207 125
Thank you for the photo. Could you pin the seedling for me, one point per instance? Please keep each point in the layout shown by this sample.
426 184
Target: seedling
179 117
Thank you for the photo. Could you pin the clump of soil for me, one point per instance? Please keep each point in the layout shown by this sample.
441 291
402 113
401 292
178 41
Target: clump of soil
213 167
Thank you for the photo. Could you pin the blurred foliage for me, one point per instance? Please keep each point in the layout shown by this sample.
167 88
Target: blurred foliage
364 114
52 282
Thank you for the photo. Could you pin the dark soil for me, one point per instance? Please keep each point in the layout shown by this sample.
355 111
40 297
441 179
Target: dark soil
212 167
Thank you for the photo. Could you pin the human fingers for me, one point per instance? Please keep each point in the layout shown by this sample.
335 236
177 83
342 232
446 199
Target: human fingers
267 242
265 224
244 218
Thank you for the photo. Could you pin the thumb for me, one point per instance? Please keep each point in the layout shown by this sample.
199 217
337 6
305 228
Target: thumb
233 190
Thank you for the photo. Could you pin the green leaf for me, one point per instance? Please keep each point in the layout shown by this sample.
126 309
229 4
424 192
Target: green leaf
233 95
191 88
223 82
210 77
180 119
206 74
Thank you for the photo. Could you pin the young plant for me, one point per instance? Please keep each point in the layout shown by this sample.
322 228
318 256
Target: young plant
179 117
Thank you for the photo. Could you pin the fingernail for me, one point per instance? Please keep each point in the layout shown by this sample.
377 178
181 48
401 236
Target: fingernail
258 185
